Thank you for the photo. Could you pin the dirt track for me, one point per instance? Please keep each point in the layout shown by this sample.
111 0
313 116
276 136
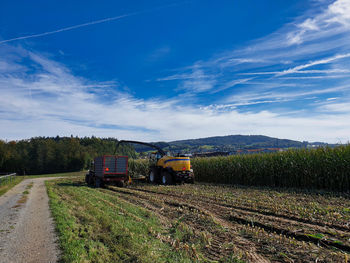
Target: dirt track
26 227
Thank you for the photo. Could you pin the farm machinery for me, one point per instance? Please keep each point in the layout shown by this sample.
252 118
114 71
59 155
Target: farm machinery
108 169
166 169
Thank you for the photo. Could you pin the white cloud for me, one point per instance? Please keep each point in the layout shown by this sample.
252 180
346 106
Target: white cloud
316 67
195 82
313 63
6 67
340 12
312 71
330 21
309 24
336 107
52 101
159 53
230 84
323 52
258 97
296 37
315 48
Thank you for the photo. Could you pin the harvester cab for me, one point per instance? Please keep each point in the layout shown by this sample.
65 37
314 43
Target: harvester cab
167 169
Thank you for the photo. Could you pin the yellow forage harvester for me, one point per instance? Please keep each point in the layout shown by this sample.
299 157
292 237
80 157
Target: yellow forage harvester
167 169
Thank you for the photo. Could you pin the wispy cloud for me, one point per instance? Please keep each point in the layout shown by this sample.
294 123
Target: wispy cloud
315 71
249 98
336 107
51 100
313 63
195 81
230 84
311 55
159 53
280 85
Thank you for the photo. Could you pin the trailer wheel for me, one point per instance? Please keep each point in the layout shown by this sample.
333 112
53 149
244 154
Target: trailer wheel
120 184
88 179
98 182
167 179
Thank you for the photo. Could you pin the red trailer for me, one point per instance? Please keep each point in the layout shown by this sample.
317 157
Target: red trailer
108 169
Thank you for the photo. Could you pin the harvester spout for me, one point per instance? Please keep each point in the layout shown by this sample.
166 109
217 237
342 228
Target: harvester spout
161 152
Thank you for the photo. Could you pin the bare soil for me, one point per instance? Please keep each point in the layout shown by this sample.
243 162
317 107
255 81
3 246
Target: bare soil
256 236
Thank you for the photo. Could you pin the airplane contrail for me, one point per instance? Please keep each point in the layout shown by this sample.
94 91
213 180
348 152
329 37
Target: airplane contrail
82 25
69 28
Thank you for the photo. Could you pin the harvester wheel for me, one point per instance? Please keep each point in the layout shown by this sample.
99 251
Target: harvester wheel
87 178
152 177
167 178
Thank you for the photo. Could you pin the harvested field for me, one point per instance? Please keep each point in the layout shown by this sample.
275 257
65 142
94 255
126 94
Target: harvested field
205 223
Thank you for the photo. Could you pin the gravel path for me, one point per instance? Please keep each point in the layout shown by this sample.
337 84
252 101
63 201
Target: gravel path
26 227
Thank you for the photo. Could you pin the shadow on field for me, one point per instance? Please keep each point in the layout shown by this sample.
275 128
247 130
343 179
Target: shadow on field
83 184
75 184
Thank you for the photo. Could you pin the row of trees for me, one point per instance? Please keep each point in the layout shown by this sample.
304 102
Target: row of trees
53 155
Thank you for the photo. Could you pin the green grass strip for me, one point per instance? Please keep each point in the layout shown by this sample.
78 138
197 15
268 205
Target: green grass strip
92 230
7 186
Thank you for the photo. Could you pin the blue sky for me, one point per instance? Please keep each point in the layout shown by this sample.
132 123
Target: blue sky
167 70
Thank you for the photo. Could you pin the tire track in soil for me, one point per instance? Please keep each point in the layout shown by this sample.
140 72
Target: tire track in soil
165 214
345 229
268 222
238 226
169 210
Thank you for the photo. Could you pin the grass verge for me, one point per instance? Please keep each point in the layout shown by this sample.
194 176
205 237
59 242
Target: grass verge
69 174
5 187
95 227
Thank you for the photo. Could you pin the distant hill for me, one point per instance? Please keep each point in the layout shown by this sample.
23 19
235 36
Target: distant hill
225 143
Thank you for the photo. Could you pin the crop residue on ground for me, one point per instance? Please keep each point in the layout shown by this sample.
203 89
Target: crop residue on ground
189 223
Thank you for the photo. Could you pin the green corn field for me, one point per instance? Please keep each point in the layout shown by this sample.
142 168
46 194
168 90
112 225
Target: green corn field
138 167
322 168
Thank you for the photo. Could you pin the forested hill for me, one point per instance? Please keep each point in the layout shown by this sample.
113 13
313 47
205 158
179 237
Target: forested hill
226 143
239 141
62 154
53 155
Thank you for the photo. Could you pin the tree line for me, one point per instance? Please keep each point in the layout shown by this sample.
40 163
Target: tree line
41 155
